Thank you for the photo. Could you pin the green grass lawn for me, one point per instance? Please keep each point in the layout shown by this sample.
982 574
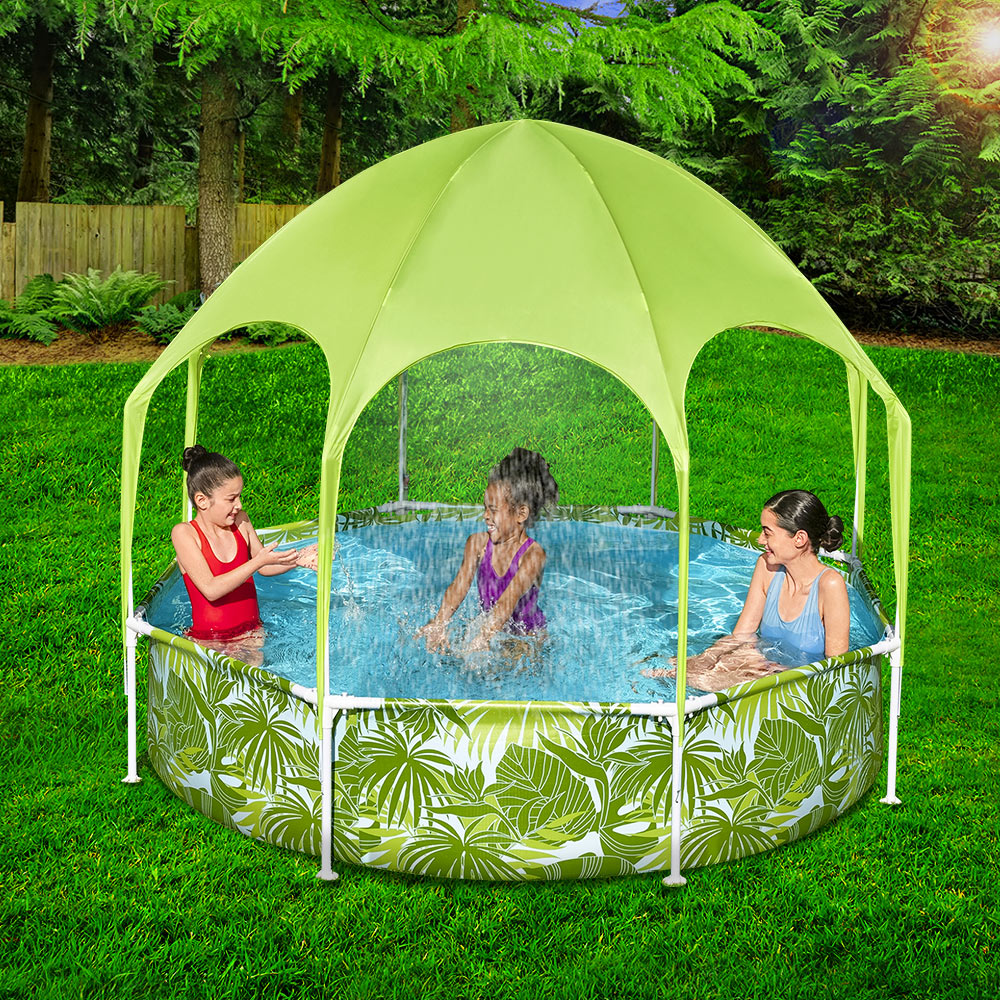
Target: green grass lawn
119 891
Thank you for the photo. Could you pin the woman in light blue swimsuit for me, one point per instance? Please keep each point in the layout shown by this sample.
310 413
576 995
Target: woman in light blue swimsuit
793 598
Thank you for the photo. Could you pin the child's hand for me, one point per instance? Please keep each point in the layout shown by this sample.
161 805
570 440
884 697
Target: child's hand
478 645
436 635
308 558
268 557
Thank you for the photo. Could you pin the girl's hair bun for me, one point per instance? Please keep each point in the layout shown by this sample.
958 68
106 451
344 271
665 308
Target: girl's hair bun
800 510
196 453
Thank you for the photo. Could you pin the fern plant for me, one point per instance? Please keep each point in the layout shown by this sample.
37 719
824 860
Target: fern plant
163 323
86 303
29 316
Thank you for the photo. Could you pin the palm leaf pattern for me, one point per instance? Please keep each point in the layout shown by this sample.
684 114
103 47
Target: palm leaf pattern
263 741
502 790
400 774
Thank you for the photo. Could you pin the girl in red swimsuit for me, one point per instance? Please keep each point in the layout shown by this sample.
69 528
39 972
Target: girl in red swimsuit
218 553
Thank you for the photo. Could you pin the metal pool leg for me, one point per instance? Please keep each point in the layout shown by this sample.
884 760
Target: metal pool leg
675 878
326 872
131 638
891 799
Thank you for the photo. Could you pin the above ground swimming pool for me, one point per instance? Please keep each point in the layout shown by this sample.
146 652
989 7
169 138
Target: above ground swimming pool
539 759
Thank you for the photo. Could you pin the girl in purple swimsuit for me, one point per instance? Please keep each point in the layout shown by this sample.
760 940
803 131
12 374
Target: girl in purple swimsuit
506 563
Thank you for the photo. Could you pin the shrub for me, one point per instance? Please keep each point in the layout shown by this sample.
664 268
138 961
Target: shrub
37 295
86 303
271 334
34 326
163 323
268 333
182 300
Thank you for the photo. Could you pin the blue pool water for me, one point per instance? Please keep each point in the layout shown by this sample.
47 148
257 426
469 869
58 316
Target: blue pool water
609 594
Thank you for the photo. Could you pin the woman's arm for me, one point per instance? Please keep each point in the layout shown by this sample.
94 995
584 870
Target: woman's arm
753 607
434 630
528 572
741 645
835 610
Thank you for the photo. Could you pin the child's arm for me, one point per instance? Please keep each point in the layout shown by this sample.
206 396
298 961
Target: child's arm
528 572
434 630
273 568
192 562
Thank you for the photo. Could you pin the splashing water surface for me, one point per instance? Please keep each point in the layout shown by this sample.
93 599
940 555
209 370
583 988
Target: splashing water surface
609 594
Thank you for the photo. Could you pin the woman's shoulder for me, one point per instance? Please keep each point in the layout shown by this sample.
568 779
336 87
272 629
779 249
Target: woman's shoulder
832 584
762 573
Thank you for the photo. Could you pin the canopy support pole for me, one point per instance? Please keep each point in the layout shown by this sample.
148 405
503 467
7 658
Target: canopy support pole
896 684
131 639
326 871
857 386
677 726
196 361
404 478
654 465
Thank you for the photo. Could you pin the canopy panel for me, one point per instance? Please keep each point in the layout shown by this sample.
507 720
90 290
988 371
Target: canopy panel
521 231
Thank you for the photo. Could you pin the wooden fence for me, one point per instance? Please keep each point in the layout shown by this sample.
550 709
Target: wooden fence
62 239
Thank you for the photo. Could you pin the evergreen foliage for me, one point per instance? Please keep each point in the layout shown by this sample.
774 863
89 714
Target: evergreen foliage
163 322
862 135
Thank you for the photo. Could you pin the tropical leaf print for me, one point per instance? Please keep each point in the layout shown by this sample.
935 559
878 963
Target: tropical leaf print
749 704
541 797
264 741
400 774
783 756
228 786
454 850
805 825
293 821
849 717
719 834
588 866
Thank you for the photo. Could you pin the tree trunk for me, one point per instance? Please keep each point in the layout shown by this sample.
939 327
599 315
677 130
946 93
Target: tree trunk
461 114
291 119
33 184
329 157
241 161
216 191
144 147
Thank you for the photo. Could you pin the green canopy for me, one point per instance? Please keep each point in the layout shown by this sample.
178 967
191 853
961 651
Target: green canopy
522 231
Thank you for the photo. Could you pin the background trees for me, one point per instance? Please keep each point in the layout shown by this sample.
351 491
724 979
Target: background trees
863 135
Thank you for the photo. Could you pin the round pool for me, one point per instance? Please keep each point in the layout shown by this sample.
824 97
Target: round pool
536 761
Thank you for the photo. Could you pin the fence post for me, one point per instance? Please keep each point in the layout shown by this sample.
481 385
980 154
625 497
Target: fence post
8 234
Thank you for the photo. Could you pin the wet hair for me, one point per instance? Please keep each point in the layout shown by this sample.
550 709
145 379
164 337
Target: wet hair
206 470
528 480
800 510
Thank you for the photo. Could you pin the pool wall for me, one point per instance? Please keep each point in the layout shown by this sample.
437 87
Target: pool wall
517 790
234 742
